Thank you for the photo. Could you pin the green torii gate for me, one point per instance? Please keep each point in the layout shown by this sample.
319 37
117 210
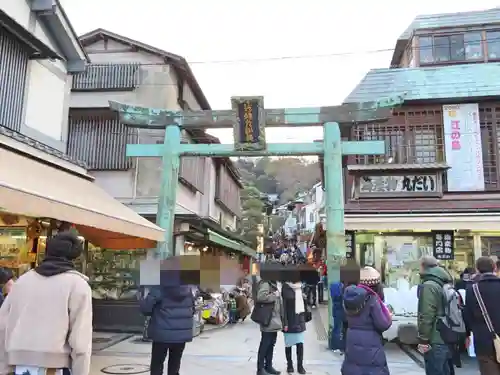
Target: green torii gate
248 118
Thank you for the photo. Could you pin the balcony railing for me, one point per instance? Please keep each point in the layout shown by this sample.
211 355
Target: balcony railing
107 77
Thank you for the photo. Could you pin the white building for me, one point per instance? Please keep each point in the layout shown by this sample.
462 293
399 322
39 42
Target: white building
39 53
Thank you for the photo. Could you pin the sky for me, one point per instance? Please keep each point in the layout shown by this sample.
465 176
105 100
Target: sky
295 53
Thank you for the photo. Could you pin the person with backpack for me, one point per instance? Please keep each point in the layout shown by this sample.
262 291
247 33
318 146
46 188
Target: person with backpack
484 325
436 285
337 343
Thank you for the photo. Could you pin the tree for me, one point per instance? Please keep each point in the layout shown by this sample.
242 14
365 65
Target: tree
252 207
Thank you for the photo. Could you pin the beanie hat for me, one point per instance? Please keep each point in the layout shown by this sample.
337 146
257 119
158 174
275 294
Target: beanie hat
64 245
369 276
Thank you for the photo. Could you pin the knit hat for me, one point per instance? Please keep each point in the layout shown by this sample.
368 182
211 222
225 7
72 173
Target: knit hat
369 276
64 245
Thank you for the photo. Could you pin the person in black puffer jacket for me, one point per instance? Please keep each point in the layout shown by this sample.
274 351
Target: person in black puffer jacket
171 308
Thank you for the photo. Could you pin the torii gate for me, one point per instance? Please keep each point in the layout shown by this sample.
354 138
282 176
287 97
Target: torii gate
248 118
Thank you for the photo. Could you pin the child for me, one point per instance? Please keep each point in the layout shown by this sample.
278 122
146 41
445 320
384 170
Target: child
232 308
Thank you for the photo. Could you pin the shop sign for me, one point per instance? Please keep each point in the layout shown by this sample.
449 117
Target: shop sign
399 184
444 243
350 244
463 147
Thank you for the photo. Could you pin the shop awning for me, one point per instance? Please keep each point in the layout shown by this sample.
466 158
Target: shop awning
459 221
230 244
31 188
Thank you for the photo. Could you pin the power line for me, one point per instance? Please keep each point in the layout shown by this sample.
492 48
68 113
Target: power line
476 43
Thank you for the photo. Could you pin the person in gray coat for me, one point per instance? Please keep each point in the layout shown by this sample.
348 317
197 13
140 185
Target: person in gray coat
267 292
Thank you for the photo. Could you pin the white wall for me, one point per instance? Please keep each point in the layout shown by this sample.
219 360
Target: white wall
18 10
46 105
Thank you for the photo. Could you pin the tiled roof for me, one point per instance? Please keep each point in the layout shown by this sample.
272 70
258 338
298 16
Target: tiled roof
40 146
436 21
442 82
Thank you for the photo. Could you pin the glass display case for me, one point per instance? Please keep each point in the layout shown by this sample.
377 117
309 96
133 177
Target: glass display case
114 274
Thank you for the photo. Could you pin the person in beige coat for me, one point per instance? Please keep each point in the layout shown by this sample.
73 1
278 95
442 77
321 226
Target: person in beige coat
46 319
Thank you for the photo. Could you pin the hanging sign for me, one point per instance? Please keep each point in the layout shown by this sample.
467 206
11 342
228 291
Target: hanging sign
444 245
401 185
350 244
249 129
463 146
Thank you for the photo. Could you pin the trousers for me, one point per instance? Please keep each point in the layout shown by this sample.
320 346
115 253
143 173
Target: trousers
159 353
266 350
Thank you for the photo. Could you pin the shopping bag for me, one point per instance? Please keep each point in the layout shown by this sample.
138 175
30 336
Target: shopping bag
470 348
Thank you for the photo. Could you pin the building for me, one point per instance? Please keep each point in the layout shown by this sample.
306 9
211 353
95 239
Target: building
39 55
128 71
437 188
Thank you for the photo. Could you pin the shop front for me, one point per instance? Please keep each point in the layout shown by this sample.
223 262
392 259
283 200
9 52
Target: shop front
394 244
114 274
37 199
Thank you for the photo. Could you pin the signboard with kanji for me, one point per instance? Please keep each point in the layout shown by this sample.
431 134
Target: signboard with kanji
444 245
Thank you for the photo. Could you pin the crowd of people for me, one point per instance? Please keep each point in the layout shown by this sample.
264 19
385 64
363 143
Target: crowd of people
447 321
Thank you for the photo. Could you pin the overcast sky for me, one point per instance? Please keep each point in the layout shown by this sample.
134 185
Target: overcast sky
339 41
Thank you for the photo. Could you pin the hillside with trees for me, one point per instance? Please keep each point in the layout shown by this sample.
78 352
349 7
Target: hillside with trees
285 176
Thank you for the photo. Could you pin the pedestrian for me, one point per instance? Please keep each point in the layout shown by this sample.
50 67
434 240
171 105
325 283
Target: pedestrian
337 338
46 320
6 282
487 287
367 318
311 279
294 322
233 309
268 294
431 298
171 307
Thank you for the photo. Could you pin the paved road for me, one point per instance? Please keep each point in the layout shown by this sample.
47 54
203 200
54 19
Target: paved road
234 348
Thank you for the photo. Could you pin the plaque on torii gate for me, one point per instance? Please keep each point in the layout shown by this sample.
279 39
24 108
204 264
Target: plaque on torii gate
249 119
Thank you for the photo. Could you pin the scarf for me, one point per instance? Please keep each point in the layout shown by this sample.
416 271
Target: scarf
299 300
52 266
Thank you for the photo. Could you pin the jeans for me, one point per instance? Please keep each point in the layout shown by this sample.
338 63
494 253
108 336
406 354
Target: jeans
311 294
488 365
437 360
232 316
266 350
159 354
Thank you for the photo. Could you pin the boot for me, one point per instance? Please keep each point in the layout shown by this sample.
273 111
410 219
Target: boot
289 362
300 359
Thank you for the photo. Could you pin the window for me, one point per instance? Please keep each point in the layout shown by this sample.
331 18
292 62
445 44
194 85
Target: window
311 217
426 53
493 40
446 48
473 46
442 48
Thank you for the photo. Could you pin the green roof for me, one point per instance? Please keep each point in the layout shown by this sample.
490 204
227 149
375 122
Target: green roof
440 82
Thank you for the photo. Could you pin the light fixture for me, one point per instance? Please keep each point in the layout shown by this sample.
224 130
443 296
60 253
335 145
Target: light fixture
190 248
205 249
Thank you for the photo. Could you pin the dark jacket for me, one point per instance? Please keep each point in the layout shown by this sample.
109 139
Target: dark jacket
489 287
364 344
171 310
295 322
431 303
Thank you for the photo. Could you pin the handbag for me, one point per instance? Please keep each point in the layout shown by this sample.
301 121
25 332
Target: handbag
487 320
262 313
307 313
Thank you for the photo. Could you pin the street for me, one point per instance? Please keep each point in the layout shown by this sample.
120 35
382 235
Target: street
235 347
